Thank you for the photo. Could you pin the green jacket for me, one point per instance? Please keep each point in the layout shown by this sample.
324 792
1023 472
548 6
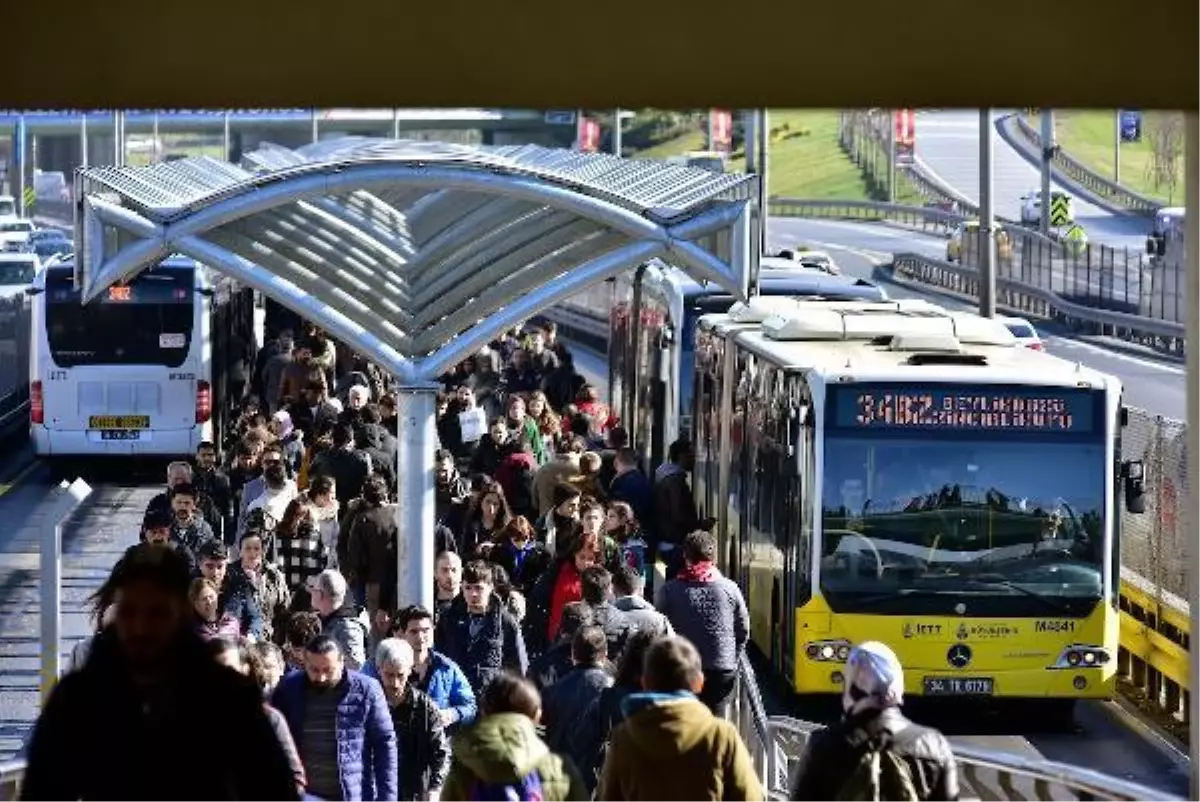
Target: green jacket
503 748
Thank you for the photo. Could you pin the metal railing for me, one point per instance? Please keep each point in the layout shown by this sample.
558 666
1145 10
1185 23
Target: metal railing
776 743
1114 196
1092 277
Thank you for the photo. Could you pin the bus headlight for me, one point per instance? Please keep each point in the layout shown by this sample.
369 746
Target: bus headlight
1082 656
828 651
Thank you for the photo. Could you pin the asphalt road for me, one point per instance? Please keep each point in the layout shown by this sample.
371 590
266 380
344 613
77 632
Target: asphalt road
93 539
1151 383
948 143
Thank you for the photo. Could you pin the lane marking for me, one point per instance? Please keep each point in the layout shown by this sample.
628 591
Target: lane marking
16 480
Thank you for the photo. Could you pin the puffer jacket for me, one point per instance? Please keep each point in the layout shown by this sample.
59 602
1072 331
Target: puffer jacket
445 684
366 737
498 644
671 746
502 749
832 753
350 627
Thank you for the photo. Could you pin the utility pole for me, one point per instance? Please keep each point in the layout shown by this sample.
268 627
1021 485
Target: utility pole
764 141
316 127
20 163
395 123
1191 166
1117 147
228 138
891 140
987 218
83 139
617 144
1047 155
750 125
157 145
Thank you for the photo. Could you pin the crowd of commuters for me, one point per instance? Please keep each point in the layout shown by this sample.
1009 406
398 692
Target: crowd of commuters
257 624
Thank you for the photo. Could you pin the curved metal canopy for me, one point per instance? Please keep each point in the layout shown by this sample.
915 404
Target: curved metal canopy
415 253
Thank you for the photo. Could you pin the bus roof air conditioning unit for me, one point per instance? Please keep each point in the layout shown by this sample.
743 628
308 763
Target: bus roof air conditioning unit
926 343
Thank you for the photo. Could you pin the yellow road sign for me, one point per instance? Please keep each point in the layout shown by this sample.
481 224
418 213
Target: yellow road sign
1060 210
30 197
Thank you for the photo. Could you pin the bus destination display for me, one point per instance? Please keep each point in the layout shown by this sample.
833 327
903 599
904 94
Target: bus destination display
979 408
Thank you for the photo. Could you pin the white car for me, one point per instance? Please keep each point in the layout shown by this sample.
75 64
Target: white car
817 260
14 234
17 272
1024 331
1031 206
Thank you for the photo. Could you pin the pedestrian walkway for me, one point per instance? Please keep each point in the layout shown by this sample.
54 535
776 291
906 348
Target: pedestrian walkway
93 539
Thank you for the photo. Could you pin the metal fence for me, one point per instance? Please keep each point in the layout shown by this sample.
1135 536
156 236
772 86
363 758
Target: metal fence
776 743
1155 543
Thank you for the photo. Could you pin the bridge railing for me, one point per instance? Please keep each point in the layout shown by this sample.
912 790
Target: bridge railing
1075 172
776 743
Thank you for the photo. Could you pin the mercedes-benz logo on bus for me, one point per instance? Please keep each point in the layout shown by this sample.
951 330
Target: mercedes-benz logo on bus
959 655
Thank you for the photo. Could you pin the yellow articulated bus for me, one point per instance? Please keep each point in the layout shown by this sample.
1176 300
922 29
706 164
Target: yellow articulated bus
893 471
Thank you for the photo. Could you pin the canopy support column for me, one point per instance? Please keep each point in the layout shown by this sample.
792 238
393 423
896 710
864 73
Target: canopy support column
416 414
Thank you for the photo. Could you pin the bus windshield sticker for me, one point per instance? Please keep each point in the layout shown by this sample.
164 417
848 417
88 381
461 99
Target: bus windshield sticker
172 340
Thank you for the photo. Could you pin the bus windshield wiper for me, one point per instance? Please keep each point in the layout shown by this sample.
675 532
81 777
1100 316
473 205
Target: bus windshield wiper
995 580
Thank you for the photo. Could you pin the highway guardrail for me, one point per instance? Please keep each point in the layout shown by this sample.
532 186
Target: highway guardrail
1108 279
1116 197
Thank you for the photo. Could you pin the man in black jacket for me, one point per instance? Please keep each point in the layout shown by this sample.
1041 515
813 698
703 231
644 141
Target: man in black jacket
421 741
553 664
571 706
345 464
131 723
478 633
874 690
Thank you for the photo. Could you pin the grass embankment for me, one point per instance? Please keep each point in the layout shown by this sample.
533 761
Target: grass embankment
805 159
1088 137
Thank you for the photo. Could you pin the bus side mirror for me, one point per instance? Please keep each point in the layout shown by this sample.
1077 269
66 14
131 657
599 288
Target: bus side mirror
32 291
1133 471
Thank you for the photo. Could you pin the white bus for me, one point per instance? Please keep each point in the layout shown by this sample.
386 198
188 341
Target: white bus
142 370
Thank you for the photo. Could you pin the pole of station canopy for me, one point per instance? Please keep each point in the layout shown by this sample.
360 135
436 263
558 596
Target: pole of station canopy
83 139
1191 166
416 412
617 145
987 218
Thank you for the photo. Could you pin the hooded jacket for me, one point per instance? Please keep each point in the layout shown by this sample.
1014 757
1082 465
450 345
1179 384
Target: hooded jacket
503 748
672 747
94 722
832 753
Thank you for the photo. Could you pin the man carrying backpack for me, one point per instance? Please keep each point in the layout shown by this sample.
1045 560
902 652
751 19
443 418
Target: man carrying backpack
874 752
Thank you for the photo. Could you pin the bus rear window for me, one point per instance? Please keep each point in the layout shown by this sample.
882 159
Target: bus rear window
146 322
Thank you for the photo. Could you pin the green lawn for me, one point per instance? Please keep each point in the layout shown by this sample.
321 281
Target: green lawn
805 160
1088 137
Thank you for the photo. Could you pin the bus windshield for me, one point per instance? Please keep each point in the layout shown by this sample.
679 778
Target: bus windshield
1000 513
147 322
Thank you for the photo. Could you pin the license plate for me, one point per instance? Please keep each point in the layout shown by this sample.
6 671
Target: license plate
119 422
120 434
959 686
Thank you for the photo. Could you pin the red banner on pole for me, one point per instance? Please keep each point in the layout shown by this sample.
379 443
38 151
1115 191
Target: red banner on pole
906 136
587 136
720 130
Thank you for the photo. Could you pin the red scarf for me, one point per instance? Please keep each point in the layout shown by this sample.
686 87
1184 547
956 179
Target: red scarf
698 572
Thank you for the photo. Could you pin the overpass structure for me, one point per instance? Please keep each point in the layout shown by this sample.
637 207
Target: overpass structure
58 141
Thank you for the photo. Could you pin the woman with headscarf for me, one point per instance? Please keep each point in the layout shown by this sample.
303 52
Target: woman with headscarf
874 744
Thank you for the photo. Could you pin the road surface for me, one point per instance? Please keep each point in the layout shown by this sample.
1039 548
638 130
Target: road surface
947 143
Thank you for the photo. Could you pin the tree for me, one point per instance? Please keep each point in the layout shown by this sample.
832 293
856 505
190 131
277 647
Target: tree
1165 131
